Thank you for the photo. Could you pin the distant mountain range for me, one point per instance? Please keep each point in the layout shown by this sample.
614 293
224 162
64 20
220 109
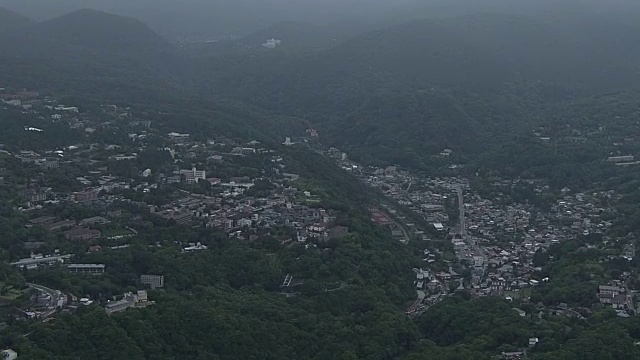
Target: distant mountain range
91 52
477 52
207 18
99 30
485 50
457 82
460 82
11 21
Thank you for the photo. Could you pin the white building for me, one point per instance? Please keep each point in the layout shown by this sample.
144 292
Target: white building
139 299
12 102
73 109
35 261
178 138
194 175
8 355
272 43
194 247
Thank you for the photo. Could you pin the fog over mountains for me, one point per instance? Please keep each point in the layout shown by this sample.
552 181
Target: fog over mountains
577 44
211 18
432 66
200 17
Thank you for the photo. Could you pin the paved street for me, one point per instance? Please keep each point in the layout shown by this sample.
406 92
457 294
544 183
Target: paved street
56 295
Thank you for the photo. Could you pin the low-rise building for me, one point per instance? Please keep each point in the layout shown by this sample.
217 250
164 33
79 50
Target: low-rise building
64 224
81 234
193 176
86 196
608 289
37 195
154 281
36 261
179 216
139 299
50 164
93 221
86 269
195 247
120 305
618 159
43 220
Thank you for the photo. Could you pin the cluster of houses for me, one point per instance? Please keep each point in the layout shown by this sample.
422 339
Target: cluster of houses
139 299
196 198
616 295
230 208
622 139
227 203
70 229
493 239
496 239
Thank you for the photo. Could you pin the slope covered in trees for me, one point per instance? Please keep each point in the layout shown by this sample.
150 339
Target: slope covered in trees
90 52
227 302
439 83
396 95
11 21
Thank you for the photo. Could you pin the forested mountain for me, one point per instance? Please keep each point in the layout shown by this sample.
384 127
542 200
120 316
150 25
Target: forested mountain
92 52
447 81
297 35
200 19
12 21
295 38
98 30
211 19
462 82
97 56
479 51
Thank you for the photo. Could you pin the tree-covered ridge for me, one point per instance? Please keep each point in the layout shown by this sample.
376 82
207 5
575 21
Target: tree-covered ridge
11 20
465 83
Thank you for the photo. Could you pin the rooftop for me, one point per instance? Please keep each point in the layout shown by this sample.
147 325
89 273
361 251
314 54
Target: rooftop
86 266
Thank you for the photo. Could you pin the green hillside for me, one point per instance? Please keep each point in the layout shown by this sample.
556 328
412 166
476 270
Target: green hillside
91 52
422 86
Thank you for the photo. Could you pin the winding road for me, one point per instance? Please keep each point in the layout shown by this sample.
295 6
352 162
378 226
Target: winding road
56 295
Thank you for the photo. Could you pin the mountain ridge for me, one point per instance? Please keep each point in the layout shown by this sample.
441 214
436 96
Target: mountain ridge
488 73
206 19
88 27
90 51
13 21
485 51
